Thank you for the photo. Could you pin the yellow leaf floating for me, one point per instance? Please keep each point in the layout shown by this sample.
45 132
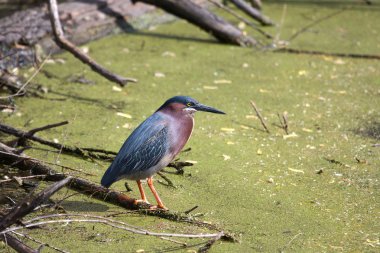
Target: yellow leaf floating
307 130
226 129
116 88
292 135
259 152
297 171
251 116
125 115
210 87
226 157
222 81
230 143
264 91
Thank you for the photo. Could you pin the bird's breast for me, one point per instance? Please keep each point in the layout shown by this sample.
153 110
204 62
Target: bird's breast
179 133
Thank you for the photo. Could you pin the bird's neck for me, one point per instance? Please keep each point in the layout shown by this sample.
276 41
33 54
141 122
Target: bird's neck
181 125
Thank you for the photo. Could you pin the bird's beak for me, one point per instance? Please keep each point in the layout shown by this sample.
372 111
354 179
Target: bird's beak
205 108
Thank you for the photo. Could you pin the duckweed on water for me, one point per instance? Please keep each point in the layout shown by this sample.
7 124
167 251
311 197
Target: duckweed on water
279 192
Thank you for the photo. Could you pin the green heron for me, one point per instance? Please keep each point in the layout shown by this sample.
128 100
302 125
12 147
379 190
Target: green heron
155 143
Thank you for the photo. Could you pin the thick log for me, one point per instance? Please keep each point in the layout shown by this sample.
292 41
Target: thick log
254 13
204 19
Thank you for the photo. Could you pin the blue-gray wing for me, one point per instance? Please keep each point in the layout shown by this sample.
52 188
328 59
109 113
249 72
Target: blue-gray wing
143 149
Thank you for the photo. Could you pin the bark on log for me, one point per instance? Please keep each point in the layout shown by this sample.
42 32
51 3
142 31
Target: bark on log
204 19
83 21
254 13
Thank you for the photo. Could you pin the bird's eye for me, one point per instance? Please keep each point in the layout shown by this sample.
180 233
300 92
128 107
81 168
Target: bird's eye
189 104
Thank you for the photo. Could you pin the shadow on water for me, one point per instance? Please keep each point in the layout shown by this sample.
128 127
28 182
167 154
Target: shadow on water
82 206
369 128
173 37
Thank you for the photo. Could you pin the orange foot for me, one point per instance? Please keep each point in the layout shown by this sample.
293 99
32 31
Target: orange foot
138 201
159 207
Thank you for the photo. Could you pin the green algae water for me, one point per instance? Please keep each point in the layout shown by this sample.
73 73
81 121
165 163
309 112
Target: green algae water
315 189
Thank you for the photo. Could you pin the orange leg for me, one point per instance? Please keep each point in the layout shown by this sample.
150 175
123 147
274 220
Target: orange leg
142 193
159 202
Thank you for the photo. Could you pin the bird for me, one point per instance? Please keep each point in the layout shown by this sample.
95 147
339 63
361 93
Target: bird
154 144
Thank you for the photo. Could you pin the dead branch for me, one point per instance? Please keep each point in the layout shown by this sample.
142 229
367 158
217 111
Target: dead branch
168 181
305 28
260 117
204 19
313 52
252 12
48 219
27 205
16 244
284 122
64 148
67 45
209 244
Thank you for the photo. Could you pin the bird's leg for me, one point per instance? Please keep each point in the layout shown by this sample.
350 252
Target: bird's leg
159 202
142 193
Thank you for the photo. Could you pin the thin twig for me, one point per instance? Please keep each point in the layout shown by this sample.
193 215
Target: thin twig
209 244
190 210
38 129
40 242
313 52
305 28
259 116
15 178
236 15
169 182
66 44
174 241
284 122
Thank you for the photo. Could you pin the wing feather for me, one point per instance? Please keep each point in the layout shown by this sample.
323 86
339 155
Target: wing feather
143 149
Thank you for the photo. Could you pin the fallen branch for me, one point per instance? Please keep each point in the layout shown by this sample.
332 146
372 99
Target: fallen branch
100 219
66 44
305 28
209 244
16 244
204 19
27 205
313 52
252 12
259 116
64 148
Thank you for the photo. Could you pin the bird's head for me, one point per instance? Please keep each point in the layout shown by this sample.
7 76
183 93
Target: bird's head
186 104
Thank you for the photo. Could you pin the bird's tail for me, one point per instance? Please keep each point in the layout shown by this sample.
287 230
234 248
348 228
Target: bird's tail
108 178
